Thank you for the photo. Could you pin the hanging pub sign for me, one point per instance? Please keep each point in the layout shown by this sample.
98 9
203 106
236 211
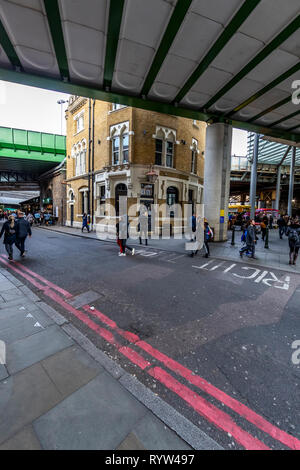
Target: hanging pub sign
146 190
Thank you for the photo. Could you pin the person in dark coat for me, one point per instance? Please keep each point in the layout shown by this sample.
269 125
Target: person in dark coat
250 240
281 225
9 231
293 233
22 230
85 222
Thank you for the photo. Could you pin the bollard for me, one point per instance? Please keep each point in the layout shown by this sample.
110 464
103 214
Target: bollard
267 238
233 233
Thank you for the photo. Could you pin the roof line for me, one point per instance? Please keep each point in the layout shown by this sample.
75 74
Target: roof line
271 108
265 52
134 101
171 31
55 25
243 13
114 25
9 49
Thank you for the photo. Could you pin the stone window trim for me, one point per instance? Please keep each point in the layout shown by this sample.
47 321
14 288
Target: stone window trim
116 107
78 153
117 133
166 136
79 117
194 152
71 193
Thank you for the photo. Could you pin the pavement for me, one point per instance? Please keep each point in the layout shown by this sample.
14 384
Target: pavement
276 256
59 391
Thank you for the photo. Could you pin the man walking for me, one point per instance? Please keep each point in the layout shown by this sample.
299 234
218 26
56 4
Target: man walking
22 230
293 233
281 225
250 240
85 222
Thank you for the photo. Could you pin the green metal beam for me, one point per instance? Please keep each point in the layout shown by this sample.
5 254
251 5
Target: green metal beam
133 101
290 116
243 13
175 22
270 109
9 48
265 52
114 25
267 88
54 21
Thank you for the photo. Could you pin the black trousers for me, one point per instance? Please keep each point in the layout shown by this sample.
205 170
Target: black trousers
20 244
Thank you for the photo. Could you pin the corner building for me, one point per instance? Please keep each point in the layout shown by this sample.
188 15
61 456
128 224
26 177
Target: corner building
114 150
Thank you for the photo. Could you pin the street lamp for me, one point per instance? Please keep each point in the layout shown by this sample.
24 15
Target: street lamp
61 102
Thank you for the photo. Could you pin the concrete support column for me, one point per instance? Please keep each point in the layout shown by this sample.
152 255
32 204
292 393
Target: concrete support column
291 187
277 201
253 182
217 177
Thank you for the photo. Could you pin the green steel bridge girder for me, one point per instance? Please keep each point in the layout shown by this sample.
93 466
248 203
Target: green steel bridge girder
30 151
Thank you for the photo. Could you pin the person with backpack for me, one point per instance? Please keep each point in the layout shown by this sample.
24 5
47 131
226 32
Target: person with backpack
9 231
123 235
250 239
293 234
208 235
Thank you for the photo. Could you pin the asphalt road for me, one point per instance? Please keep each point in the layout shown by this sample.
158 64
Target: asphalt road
228 323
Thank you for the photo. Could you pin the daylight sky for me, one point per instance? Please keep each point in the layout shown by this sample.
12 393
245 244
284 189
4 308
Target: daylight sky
35 109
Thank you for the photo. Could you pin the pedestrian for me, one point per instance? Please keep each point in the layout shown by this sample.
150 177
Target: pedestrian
123 235
22 230
85 222
293 233
281 226
9 231
263 230
250 236
193 226
30 219
208 235
271 221
143 226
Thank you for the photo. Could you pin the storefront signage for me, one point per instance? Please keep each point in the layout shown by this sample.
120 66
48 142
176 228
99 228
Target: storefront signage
146 190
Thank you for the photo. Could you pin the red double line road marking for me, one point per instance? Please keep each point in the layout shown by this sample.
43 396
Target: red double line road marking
184 392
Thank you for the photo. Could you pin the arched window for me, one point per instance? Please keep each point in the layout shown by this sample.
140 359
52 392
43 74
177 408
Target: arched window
115 150
172 195
170 150
195 151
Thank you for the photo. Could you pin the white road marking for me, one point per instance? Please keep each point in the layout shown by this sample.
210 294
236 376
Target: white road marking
217 266
229 268
260 278
247 268
285 284
204 265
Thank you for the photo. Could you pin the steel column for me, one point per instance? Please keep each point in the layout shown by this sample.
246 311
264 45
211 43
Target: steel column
254 176
278 188
291 187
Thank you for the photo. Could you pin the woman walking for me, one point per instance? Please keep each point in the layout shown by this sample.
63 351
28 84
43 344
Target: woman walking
9 230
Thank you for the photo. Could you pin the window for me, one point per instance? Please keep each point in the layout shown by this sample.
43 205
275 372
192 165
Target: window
194 162
80 163
115 150
79 123
158 151
169 154
172 195
116 106
125 147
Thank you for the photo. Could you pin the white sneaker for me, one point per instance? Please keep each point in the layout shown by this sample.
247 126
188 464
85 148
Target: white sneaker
120 254
133 251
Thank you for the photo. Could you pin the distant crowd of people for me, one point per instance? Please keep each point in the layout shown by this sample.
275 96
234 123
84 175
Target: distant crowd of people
289 226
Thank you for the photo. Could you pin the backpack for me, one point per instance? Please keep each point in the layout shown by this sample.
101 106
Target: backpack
294 236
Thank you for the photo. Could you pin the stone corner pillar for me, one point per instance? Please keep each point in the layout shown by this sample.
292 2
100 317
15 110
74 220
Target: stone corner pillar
217 167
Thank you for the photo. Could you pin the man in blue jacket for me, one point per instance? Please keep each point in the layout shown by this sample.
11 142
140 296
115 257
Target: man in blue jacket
22 230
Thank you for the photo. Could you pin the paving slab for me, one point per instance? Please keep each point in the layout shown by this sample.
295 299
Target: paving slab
71 369
32 349
131 442
24 440
3 372
11 294
23 398
18 326
98 416
153 434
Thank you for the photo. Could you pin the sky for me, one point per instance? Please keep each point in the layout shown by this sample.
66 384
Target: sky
36 109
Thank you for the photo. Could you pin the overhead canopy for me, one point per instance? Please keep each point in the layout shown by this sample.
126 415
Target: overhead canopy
213 60
272 152
30 152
